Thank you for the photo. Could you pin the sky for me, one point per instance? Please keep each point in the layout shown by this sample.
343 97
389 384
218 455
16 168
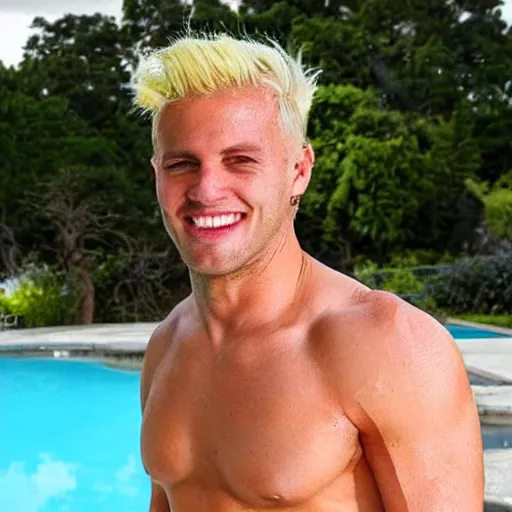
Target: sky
17 15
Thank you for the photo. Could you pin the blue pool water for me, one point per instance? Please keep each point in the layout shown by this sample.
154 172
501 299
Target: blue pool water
463 332
69 438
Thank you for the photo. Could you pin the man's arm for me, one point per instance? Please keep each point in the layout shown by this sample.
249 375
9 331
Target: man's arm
419 424
155 351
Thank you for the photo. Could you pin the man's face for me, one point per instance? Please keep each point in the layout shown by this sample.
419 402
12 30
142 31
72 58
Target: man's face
225 171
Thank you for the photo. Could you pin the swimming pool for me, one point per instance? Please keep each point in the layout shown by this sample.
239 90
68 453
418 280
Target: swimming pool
466 332
69 438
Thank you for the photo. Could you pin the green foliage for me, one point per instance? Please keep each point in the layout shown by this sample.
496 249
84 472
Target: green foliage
497 202
402 282
475 285
377 176
5 308
366 273
337 48
418 257
498 213
44 298
428 304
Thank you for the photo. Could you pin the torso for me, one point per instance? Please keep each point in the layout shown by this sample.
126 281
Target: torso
255 426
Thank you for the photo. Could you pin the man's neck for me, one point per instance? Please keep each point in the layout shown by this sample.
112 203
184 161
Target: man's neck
260 294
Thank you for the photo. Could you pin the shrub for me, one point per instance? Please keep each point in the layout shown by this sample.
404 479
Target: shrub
402 282
477 285
44 298
498 213
419 257
4 305
497 201
366 273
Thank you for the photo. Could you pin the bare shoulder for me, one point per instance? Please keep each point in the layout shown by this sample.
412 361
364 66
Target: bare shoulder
377 320
159 343
396 329
378 342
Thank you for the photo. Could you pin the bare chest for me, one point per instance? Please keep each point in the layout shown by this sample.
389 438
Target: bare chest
270 431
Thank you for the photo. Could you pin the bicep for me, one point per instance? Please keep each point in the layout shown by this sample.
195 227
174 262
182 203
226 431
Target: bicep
432 465
159 501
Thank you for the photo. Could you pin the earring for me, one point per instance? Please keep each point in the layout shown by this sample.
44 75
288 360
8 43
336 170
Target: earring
294 200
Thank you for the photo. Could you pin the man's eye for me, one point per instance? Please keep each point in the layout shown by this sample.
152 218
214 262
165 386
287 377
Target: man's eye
174 166
240 159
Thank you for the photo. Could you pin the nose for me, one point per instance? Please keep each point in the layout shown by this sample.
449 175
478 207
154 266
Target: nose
208 186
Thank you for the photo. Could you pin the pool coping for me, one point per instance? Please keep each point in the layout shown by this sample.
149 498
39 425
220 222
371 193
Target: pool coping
63 349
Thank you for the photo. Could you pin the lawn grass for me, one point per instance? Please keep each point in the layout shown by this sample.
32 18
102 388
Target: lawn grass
497 320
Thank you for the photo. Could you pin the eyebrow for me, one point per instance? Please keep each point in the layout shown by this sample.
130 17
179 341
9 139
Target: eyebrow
243 147
178 154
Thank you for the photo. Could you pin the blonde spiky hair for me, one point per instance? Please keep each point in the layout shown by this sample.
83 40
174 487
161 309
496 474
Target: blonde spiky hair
204 64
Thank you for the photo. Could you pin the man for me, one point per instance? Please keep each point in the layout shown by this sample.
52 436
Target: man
280 383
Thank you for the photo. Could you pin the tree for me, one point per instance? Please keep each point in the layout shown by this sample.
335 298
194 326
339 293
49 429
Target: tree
91 50
80 223
338 47
150 23
9 251
37 136
142 282
309 8
377 177
497 202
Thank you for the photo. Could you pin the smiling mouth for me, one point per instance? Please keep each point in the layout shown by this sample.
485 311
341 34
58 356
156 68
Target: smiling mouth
215 221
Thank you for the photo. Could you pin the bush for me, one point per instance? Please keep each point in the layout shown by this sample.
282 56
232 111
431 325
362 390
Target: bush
477 285
498 213
366 272
4 305
402 282
497 201
419 257
44 298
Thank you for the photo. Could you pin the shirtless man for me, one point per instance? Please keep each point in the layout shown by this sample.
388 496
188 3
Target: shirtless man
280 383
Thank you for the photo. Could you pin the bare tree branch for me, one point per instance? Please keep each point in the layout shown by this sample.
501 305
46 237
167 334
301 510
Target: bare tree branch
9 250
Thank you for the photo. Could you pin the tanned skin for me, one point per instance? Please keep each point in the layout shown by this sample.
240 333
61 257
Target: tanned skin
279 383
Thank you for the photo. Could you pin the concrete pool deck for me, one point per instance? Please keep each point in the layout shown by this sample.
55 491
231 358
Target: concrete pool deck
490 360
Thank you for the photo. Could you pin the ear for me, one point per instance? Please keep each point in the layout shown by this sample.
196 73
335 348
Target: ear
303 169
153 166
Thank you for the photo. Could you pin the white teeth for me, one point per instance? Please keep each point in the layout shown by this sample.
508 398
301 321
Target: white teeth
217 221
